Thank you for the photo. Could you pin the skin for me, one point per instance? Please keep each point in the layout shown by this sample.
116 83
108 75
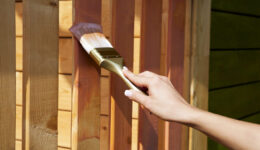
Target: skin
234 134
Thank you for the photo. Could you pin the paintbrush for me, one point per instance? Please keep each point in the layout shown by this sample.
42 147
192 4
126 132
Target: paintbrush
100 49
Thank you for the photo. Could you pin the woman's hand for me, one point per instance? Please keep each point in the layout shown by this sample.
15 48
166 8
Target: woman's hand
162 99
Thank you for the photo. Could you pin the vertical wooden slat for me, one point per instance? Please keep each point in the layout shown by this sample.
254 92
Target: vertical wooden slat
86 84
200 65
7 75
40 78
178 45
122 39
150 60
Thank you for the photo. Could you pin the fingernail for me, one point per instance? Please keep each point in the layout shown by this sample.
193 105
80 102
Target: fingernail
128 93
125 68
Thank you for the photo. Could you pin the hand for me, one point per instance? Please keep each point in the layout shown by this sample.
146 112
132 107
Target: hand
162 99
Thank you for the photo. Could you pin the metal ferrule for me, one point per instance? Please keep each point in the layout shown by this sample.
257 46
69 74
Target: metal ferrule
109 59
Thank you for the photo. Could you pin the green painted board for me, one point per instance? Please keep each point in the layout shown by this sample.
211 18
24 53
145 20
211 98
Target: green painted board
229 31
233 67
249 7
253 118
235 102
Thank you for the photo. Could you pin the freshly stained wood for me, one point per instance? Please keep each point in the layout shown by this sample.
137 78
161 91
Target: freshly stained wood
229 68
122 40
40 77
176 64
7 75
230 31
104 132
238 6
150 50
199 66
86 84
235 102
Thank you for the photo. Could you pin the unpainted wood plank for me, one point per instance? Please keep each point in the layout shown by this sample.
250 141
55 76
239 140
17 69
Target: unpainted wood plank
19 87
19 53
7 75
63 148
65 92
235 102
105 95
104 132
149 60
199 66
237 6
122 40
65 55
137 18
40 77
134 134
65 18
18 145
64 129
229 68
230 31
86 84
18 131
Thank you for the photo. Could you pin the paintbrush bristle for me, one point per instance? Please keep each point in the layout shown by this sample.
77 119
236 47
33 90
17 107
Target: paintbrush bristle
90 36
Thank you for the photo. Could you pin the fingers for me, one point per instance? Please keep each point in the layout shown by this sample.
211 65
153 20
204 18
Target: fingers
138 97
138 80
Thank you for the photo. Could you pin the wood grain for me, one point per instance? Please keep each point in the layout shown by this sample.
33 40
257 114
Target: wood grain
199 66
64 129
150 50
7 75
86 84
122 40
176 64
40 77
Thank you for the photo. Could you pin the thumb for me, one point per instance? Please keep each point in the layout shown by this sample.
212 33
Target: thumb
137 96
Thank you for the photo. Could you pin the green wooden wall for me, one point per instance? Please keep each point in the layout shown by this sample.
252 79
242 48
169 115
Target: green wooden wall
234 79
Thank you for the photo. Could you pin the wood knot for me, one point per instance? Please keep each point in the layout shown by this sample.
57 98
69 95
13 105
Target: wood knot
54 3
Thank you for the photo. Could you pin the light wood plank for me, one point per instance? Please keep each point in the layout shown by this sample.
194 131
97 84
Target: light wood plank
19 88
150 50
106 21
40 78
64 129
122 40
86 85
199 73
104 132
65 92
7 75
19 53
19 114
18 145
105 95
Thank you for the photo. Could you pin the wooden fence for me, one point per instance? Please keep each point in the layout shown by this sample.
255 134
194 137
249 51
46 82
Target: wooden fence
53 96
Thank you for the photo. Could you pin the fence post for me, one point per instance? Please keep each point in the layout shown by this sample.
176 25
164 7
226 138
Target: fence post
40 78
7 75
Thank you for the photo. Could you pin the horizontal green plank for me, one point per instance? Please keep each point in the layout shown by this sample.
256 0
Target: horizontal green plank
253 118
229 31
233 67
250 7
235 102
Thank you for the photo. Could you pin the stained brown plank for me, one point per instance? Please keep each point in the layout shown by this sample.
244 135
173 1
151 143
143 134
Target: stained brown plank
7 75
86 84
150 60
122 39
40 76
176 64
199 66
